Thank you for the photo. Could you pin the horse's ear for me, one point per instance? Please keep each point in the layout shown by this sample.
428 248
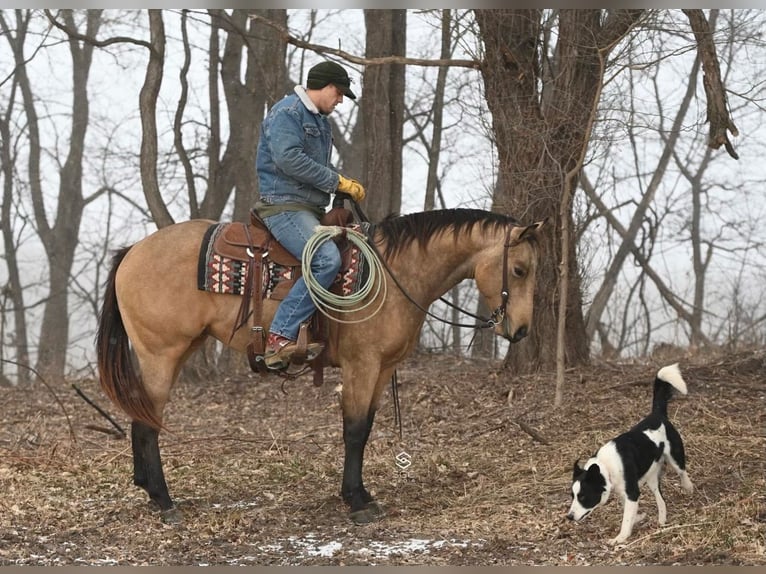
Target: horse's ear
526 232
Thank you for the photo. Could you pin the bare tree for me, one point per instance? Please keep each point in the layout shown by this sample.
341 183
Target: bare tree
433 116
60 238
542 72
647 198
12 291
246 102
696 217
148 108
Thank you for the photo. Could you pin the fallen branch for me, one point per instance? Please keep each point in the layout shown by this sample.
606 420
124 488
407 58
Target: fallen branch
523 425
119 432
530 431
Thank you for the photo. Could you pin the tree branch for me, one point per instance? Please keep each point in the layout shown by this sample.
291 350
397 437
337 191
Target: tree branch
76 35
617 24
717 106
320 49
664 290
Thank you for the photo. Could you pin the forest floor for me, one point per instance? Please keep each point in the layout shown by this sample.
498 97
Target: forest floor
255 468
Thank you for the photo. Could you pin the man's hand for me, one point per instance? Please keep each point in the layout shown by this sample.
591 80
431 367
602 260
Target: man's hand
351 187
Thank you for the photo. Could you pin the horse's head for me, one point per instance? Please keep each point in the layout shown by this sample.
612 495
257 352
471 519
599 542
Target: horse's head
506 278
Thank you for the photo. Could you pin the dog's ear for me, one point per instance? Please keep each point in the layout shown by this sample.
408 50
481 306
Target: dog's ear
594 470
576 469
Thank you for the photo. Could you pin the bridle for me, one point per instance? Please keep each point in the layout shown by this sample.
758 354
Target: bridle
500 312
496 317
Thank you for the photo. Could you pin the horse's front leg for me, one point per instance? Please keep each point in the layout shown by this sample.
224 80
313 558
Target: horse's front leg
355 434
360 403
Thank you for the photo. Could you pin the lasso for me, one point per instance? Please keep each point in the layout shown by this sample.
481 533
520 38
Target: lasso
328 302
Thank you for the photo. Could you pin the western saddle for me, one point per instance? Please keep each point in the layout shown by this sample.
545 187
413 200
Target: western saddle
253 243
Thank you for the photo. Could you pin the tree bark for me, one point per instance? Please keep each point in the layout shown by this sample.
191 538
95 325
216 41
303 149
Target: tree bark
382 111
717 106
539 122
148 108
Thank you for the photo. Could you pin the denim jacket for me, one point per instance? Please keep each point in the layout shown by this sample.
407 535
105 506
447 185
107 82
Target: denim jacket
293 159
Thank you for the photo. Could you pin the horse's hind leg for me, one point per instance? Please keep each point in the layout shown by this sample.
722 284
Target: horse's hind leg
158 374
147 468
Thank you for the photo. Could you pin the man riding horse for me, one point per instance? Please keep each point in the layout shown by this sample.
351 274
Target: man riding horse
295 180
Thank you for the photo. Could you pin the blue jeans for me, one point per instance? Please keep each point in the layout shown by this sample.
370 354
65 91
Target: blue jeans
293 229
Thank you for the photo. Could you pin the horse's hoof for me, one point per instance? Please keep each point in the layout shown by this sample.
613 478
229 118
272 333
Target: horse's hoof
369 513
363 516
171 516
375 508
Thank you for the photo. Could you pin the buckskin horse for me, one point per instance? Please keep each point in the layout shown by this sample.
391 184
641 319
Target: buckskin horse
424 254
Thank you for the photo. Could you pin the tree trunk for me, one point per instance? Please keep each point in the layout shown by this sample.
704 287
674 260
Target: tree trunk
246 102
265 79
539 122
148 108
61 239
13 289
382 111
434 150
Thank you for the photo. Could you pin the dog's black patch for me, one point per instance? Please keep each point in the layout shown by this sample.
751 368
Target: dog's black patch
592 485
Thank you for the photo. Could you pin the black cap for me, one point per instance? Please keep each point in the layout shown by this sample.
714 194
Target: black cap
330 73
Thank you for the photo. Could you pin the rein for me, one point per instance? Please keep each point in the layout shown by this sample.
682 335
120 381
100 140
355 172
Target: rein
498 314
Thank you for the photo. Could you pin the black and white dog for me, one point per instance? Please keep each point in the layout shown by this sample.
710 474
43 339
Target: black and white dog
634 458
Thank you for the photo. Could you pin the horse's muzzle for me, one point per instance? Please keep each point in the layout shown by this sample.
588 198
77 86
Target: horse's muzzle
520 333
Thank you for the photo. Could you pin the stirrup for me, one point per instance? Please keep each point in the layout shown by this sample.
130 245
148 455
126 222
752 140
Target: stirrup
286 356
281 351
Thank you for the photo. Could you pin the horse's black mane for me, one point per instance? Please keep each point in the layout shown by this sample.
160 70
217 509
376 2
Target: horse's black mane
399 231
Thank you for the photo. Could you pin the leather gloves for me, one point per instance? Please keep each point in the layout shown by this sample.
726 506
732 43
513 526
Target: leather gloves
351 187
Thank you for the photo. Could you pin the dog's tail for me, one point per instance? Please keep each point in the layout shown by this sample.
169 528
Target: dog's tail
668 378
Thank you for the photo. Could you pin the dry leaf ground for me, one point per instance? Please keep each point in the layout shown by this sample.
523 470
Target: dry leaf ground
256 472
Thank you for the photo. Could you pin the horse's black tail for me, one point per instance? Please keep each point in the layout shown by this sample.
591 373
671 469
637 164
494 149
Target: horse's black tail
668 378
116 370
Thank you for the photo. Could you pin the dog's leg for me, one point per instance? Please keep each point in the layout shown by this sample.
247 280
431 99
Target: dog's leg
676 458
628 519
662 510
686 482
653 483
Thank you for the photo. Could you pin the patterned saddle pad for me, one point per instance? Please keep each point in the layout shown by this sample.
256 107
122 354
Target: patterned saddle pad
220 273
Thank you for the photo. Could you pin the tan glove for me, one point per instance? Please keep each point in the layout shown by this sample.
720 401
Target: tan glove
351 187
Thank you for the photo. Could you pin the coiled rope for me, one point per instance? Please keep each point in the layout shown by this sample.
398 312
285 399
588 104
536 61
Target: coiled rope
330 304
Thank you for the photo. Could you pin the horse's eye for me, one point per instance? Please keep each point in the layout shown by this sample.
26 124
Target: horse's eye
519 272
